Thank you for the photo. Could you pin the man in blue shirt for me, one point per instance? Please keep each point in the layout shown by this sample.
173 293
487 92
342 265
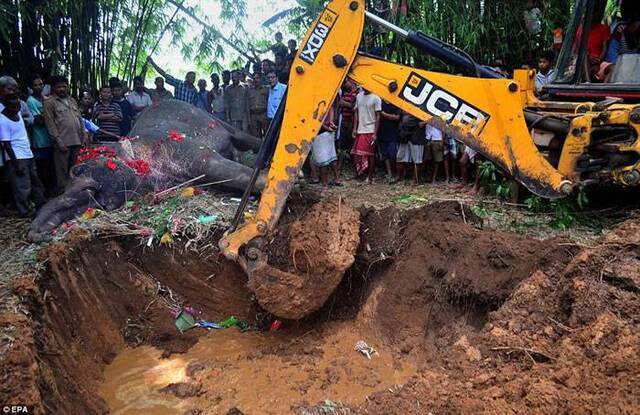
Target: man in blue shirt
184 90
276 93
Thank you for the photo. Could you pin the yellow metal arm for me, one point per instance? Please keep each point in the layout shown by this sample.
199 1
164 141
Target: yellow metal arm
485 114
317 74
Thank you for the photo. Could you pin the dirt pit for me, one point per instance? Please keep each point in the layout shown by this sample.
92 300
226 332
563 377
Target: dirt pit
464 320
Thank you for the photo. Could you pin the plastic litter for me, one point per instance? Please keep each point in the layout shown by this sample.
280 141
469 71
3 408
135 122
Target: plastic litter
276 325
185 321
233 321
229 322
206 220
365 349
208 325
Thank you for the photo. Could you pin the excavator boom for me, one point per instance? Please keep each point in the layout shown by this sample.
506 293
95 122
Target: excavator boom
485 114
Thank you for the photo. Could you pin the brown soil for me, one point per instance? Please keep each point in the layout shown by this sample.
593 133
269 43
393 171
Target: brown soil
513 326
465 320
97 297
309 257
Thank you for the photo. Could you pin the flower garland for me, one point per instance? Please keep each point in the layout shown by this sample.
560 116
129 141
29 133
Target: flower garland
140 166
176 136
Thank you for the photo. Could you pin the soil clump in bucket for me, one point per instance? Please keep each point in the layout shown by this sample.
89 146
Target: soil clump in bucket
307 260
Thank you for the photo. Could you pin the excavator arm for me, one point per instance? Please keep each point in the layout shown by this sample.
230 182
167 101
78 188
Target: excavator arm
486 114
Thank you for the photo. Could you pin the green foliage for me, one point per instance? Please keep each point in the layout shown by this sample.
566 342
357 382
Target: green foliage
480 211
298 18
492 180
535 204
486 29
563 210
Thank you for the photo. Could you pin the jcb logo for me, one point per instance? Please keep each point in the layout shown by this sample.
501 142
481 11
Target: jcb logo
440 103
318 36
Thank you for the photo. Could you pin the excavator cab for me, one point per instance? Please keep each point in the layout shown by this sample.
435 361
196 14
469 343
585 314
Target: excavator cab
580 77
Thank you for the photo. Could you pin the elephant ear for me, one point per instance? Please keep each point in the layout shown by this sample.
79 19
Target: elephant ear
245 142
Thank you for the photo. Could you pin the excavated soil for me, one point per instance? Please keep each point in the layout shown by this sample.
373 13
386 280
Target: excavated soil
464 320
310 256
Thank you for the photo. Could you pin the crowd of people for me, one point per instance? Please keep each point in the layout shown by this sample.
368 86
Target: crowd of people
42 128
368 133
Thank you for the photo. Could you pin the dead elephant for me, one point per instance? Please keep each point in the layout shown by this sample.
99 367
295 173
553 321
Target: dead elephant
171 143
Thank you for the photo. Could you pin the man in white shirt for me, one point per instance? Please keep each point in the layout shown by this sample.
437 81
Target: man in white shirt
366 120
23 176
434 148
138 99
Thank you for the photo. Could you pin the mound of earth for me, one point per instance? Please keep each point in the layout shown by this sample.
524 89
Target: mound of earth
465 320
503 324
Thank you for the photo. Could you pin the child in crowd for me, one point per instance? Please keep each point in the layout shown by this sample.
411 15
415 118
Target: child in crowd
16 151
450 158
410 147
545 71
434 148
323 152
469 157
388 138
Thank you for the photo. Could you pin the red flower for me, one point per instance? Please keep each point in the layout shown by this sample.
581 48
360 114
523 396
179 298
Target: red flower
140 166
176 136
89 153
111 165
214 124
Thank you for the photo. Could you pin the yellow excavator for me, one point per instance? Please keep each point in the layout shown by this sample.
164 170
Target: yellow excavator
549 146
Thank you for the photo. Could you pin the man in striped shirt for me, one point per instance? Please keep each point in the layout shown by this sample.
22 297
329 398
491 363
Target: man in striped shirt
107 115
184 90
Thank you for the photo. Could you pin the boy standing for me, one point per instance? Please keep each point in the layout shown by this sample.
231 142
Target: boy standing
366 122
126 108
40 140
410 147
545 71
388 140
108 116
434 148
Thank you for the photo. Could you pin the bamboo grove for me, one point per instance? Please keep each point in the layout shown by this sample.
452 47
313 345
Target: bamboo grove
489 30
91 40
87 40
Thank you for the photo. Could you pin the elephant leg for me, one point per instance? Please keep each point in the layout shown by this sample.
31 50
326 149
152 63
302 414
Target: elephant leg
245 142
230 174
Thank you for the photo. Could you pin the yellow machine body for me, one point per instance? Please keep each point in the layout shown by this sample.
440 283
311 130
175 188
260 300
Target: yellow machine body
485 114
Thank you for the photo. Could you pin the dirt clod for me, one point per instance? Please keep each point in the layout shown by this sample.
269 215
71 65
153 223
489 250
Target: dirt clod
311 259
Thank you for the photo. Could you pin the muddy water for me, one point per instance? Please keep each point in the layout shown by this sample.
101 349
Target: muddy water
253 372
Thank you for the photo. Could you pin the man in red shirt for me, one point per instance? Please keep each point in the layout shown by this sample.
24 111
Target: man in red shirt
597 43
